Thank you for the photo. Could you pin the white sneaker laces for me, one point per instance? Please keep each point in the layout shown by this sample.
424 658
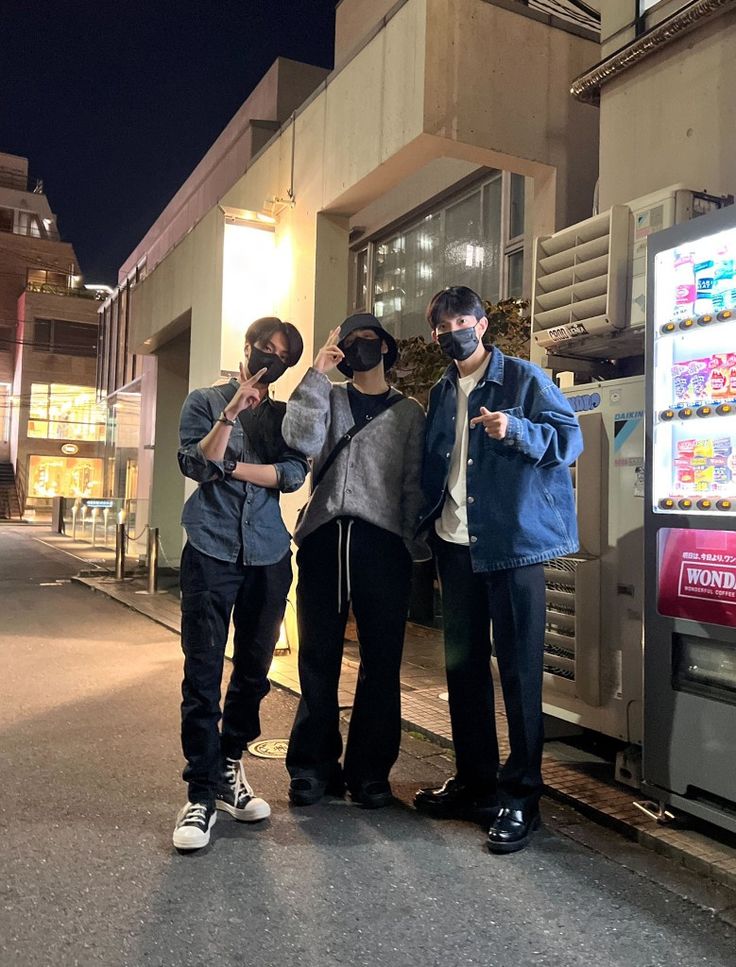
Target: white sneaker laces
235 778
196 815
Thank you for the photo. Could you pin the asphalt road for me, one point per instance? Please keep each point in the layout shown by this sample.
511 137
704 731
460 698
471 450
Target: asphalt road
89 697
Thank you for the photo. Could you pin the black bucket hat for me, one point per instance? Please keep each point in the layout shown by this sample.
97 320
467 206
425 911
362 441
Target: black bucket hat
366 320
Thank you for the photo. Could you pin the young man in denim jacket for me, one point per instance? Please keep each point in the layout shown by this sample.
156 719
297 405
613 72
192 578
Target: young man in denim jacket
237 560
500 441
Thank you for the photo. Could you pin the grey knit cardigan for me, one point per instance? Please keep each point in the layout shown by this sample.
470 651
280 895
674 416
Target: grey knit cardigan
376 477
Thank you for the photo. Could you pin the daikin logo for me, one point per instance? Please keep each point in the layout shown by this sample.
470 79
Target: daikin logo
585 402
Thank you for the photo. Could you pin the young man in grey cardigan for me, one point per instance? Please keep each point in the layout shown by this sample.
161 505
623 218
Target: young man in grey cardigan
354 540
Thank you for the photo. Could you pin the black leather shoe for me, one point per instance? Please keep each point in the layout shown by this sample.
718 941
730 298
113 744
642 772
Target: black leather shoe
308 790
455 798
372 795
512 829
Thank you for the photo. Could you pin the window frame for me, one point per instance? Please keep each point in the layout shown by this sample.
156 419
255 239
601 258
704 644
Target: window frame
509 245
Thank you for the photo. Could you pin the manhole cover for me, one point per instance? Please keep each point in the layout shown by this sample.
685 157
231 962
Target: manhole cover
269 748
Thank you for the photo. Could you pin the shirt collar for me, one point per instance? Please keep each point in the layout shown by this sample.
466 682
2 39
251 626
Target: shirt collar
492 374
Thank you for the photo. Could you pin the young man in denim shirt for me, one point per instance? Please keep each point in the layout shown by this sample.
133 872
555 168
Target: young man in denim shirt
237 560
500 441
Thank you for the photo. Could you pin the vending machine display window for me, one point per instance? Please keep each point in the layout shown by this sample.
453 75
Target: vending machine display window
694 377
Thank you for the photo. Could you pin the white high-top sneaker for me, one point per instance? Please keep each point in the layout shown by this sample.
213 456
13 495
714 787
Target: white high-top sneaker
235 795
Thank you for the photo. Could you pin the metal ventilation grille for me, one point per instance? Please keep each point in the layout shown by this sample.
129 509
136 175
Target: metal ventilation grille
573 11
580 279
559 633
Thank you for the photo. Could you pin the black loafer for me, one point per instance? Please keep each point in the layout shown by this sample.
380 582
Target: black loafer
372 795
456 799
308 790
512 829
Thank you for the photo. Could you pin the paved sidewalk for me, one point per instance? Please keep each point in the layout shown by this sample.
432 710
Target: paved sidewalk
572 776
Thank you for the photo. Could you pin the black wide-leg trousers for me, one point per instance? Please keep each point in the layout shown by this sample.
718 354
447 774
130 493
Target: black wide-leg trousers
513 601
350 561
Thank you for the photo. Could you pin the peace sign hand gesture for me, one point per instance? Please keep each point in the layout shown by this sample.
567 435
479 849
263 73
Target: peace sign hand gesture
247 395
330 354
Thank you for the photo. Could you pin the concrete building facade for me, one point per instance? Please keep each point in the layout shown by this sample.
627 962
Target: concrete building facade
443 141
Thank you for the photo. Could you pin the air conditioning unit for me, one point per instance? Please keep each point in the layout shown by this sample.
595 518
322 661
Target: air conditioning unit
652 213
580 277
589 289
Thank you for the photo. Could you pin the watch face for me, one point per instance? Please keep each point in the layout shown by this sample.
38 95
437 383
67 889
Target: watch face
229 465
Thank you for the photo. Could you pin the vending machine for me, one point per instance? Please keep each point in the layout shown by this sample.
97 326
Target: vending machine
689 752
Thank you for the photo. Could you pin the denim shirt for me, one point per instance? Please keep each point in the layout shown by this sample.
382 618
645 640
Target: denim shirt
520 501
230 519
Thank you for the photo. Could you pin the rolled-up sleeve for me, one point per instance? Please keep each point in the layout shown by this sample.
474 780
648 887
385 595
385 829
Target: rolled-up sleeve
195 423
291 470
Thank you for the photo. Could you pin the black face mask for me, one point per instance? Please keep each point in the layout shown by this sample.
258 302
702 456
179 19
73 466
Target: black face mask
460 344
275 367
363 354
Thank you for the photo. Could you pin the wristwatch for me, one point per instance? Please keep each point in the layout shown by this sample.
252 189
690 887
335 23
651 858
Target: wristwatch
223 419
229 466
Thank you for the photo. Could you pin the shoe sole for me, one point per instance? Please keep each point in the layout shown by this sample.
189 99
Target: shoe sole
501 849
186 846
254 814
479 813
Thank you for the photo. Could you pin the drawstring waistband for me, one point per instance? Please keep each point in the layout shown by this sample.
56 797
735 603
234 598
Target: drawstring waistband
348 530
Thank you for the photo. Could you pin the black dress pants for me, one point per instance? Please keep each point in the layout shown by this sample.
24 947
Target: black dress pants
350 559
212 591
514 602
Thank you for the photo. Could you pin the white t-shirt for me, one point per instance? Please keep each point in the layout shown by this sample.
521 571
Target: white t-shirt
452 524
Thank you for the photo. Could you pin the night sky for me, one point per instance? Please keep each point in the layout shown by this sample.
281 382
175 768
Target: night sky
114 103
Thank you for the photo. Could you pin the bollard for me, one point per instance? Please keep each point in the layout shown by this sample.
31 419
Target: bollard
74 522
152 560
120 553
94 526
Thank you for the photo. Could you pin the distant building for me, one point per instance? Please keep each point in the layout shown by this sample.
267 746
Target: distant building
52 429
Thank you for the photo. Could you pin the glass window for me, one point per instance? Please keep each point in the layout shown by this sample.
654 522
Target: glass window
7 218
515 284
67 338
516 207
41 280
64 476
60 412
459 244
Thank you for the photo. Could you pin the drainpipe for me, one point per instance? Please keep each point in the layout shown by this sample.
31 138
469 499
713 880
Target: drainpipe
587 86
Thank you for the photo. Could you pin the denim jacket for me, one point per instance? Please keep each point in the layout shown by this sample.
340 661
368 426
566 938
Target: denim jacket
520 502
228 518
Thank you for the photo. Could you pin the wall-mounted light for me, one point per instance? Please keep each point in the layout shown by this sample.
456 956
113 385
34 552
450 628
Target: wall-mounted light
245 216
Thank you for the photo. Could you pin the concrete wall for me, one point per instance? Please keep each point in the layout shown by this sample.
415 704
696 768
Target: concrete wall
426 99
500 81
282 89
168 492
354 21
672 118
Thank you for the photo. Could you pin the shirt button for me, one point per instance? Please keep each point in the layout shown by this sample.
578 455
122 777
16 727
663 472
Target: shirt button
348 490
470 462
473 540
447 456
471 500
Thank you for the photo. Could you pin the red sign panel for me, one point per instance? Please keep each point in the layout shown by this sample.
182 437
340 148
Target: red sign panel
697 575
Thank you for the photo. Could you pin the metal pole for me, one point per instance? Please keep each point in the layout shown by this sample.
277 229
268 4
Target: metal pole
152 560
74 522
120 553
94 526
